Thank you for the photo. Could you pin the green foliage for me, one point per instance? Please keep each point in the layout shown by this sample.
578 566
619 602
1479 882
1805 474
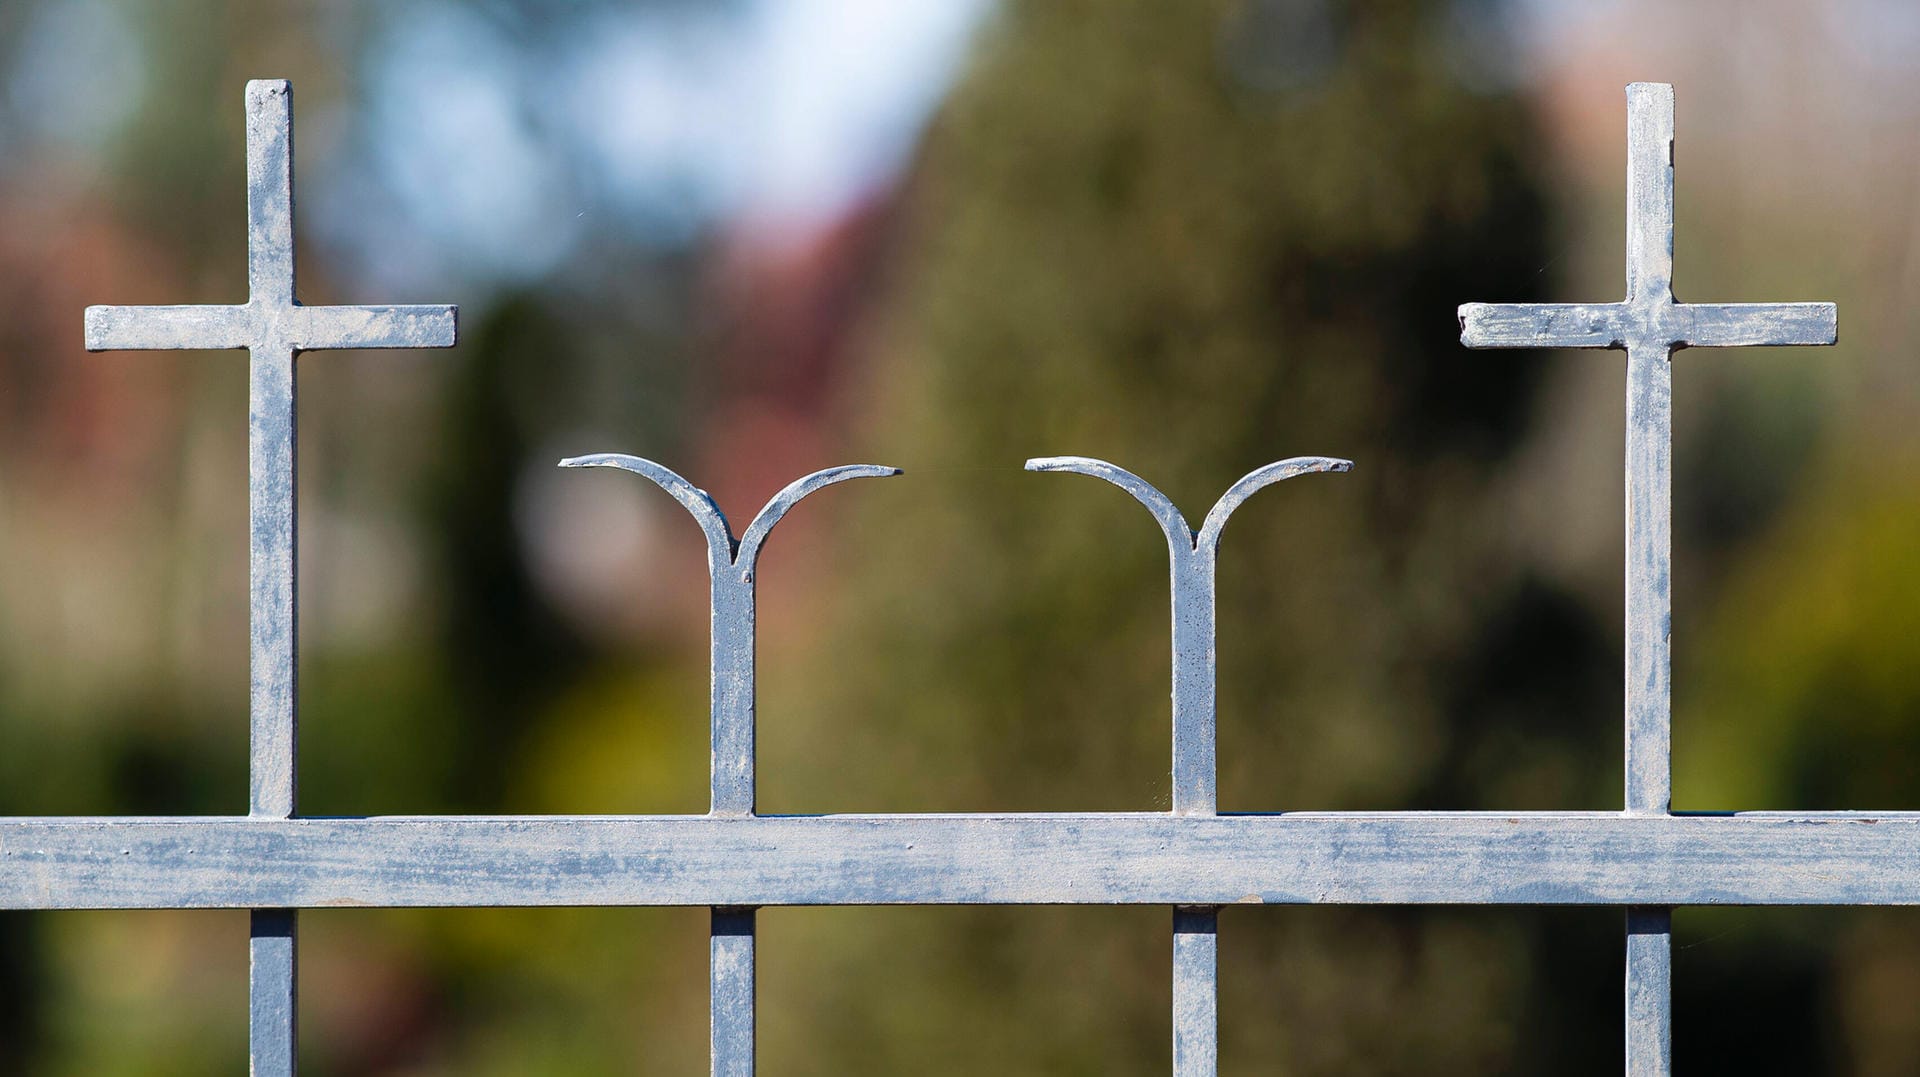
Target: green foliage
1122 249
1188 238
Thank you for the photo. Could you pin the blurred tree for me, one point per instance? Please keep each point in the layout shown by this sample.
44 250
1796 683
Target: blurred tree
1193 240
1187 238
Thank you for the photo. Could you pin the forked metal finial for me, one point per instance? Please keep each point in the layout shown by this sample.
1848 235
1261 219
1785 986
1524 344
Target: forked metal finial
1191 558
722 547
1171 521
730 566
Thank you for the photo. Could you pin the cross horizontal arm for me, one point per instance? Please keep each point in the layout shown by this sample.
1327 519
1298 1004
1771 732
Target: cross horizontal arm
302 328
1570 858
210 328
310 328
1744 325
1543 325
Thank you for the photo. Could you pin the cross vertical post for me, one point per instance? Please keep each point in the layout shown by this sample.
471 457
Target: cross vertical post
1649 572
273 565
1650 324
274 329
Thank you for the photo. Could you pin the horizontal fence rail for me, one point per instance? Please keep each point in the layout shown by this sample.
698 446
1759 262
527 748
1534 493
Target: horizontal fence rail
1644 858
1147 858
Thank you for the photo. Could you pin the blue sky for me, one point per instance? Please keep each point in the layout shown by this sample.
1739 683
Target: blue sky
660 122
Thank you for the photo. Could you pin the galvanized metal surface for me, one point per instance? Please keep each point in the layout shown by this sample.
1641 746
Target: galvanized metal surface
275 329
1650 324
1192 557
1191 858
1196 991
731 569
1099 858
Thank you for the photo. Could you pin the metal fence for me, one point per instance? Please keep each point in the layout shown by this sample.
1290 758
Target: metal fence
1193 858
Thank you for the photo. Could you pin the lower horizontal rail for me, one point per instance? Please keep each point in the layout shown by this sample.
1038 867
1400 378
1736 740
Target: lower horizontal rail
1571 858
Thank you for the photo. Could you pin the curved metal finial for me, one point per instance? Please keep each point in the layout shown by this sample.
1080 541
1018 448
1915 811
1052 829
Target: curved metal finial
1179 533
1256 480
698 502
756 533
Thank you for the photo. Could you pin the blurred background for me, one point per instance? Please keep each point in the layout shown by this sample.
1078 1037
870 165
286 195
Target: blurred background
754 238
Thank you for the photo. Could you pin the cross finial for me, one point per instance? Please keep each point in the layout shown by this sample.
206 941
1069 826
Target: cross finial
270 192
1650 193
1650 317
274 328
272 321
1650 324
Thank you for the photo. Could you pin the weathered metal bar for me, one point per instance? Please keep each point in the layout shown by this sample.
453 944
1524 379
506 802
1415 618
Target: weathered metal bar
1650 324
1649 581
732 693
298 328
209 328
1192 558
730 568
731 986
1668 324
1750 325
1196 992
274 738
1149 858
1544 325
732 615
274 328
1650 991
270 272
308 328
1649 467
272 513
1649 193
272 564
1649 546
273 966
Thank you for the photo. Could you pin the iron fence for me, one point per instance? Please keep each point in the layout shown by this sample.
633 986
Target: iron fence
1194 858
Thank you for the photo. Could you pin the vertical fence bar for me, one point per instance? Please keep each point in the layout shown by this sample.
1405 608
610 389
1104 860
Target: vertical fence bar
273 562
1649 575
1196 929
1191 558
732 691
1195 722
1196 991
731 571
731 963
272 973
1649 991
731 938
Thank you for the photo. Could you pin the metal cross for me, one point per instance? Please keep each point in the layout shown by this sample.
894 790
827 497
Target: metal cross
1651 325
274 328
730 568
1192 557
